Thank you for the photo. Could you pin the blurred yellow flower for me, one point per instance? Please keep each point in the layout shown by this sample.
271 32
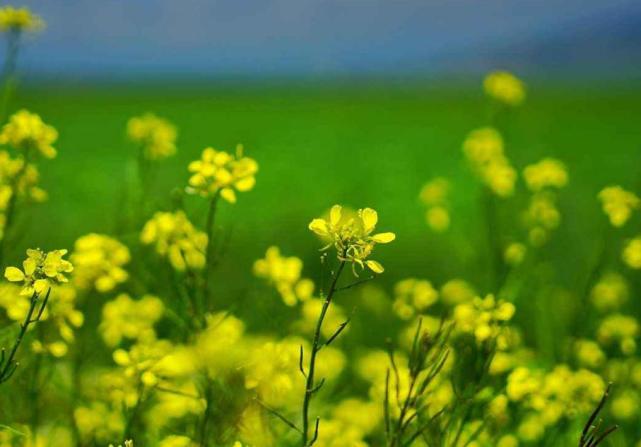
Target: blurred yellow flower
26 132
98 261
484 151
632 253
156 136
352 236
219 172
483 317
40 271
618 204
413 296
620 329
125 318
547 173
610 292
285 274
19 19
175 237
504 87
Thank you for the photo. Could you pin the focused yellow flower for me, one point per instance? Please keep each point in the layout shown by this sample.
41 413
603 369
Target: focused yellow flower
26 132
618 204
175 237
40 271
98 260
547 173
156 135
219 172
504 87
19 19
352 236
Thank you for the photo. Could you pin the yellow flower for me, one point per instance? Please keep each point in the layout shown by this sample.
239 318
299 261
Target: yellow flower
515 253
98 260
484 151
352 236
589 354
413 296
18 176
618 204
26 131
40 271
285 274
547 173
157 136
619 328
505 88
632 253
19 19
176 441
219 172
483 317
175 237
610 293
124 318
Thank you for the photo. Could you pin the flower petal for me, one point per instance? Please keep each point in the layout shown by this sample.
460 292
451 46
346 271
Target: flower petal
14 274
319 226
369 218
335 215
383 238
375 266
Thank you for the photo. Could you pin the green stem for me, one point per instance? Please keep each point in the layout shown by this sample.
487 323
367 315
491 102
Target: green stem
7 370
204 439
316 346
209 251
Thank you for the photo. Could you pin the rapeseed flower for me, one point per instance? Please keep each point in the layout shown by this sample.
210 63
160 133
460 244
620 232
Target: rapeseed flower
156 136
547 173
134 320
285 274
483 317
505 88
219 172
620 329
26 132
40 271
632 253
618 204
99 261
352 236
175 237
19 19
413 296
434 196
610 292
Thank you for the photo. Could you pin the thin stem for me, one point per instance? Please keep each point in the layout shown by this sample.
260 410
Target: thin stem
9 366
309 385
209 252
204 442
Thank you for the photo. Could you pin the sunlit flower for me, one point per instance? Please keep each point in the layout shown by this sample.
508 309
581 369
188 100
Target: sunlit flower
505 88
352 236
26 132
156 136
40 271
219 172
285 274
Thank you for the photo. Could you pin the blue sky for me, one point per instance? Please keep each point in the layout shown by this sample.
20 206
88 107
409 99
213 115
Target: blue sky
317 38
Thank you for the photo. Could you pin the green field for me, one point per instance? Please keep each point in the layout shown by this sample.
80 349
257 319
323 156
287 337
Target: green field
362 145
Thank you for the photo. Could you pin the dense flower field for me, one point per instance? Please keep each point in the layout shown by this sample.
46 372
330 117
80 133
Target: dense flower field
120 338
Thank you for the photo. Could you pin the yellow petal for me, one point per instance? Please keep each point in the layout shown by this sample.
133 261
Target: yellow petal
40 285
335 215
383 238
369 217
29 266
319 226
14 274
245 184
375 266
228 194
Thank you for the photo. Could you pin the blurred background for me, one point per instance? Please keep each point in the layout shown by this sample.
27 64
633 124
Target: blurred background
340 101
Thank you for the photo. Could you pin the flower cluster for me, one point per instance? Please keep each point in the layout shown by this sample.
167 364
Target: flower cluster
434 196
484 151
412 296
483 317
219 172
547 173
26 132
285 274
125 318
618 204
19 19
99 261
175 237
156 136
40 271
505 88
352 236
